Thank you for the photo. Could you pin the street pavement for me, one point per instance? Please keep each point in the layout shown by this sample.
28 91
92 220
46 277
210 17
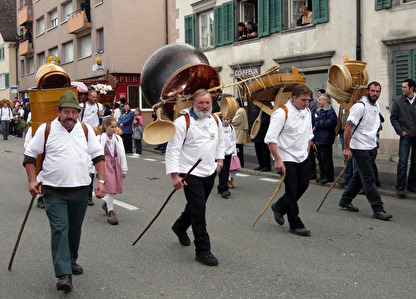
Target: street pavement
348 255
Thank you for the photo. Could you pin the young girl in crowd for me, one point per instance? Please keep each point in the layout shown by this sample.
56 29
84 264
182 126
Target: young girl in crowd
115 166
138 132
230 149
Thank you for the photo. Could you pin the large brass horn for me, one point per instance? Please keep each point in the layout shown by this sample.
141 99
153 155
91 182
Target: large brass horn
159 131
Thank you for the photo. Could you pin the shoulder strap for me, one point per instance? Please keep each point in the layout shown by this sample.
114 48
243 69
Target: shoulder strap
216 119
82 113
47 131
355 128
84 127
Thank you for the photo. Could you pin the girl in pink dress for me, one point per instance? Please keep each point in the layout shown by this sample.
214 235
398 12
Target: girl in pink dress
115 166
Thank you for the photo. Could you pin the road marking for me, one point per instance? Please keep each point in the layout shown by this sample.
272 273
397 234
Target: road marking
242 175
150 159
269 180
125 205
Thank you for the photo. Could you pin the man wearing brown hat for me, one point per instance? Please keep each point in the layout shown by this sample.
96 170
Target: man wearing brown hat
66 144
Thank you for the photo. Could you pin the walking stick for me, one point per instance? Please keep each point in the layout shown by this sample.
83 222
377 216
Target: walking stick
271 199
21 228
164 204
333 184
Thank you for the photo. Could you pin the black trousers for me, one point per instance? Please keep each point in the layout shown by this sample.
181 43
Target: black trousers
263 154
223 175
196 192
296 183
326 163
240 153
138 145
128 143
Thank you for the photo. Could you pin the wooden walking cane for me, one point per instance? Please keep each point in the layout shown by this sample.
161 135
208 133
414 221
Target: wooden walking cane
21 228
271 199
166 201
333 184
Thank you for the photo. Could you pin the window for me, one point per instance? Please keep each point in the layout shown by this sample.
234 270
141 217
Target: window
53 51
206 30
30 62
66 10
53 17
68 52
248 11
22 68
4 81
40 25
381 4
85 49
2 53
100 40
404 67
41 58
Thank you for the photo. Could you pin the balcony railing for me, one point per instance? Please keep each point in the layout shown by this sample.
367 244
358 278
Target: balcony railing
25 48
25 14
78 22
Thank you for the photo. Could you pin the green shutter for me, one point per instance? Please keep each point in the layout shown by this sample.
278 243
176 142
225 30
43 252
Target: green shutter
6 80
275 16
263 12
218 26
320 11
381 4
189 29
228 22
402 60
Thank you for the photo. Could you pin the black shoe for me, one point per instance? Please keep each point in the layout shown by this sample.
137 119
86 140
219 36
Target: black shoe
411 188
382 215
301 231
324 181
265 169
317 180
348 207
64 283
343 184
182 236
41 203
400 193
225 194
76 269
90 202
378 184
206 258
157 148
258 168
277 216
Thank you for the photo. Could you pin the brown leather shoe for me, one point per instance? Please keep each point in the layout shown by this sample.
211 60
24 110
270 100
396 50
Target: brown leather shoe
111 218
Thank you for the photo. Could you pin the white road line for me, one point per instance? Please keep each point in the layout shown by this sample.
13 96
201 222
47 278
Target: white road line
269 180
150 159
242 175
125 205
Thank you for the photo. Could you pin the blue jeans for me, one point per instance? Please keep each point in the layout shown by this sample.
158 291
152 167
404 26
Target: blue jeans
349 170
406 142
363 177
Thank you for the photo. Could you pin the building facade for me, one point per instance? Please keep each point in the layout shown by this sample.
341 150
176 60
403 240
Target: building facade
375 31
124 34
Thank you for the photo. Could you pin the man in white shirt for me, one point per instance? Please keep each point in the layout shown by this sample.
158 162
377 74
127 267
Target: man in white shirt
6 118
92 110
289 138
68 146
360 143
197 136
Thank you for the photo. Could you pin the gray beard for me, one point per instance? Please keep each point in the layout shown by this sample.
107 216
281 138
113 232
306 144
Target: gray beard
202 114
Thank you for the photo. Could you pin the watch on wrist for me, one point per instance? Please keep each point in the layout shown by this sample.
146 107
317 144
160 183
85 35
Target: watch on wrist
101 181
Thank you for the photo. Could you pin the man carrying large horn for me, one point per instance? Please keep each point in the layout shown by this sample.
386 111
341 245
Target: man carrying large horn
197 136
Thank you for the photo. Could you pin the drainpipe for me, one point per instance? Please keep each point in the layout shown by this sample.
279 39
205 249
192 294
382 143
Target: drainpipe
358 43
166 21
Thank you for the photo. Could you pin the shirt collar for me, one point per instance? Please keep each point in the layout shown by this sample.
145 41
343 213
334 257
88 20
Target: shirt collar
193 114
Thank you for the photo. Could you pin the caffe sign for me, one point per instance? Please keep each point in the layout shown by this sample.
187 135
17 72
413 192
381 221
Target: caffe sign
246 72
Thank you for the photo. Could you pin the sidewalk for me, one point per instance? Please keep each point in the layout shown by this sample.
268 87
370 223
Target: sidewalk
386 169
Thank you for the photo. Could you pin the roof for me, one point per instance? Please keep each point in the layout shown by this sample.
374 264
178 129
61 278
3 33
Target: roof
8 20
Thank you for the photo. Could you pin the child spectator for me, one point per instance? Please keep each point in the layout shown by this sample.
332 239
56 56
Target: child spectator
115 166
230 149
138 132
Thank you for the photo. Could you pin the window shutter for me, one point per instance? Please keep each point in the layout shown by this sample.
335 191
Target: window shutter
6 80
320 11
401 69
228 22
381 4
263 22
189 29
275 16
218 26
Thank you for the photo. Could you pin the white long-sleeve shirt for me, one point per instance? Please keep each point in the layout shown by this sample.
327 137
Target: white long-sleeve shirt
293 141
67 154
204 140
230 139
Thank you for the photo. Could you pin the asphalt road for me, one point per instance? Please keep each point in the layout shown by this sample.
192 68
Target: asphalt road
349 255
